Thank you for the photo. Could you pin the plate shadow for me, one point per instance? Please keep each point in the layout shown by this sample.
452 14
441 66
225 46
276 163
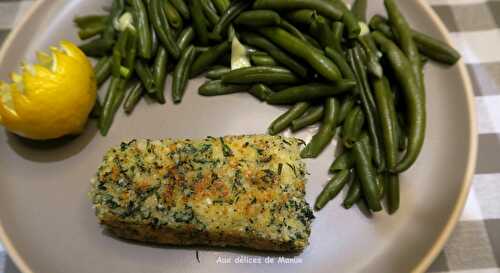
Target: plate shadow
52 150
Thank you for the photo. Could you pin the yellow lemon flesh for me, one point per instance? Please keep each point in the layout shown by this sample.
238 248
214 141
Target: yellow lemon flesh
50 99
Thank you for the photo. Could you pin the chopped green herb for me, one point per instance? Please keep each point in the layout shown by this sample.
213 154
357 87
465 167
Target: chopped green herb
225 149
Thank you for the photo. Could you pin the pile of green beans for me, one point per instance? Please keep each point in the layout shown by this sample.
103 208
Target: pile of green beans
360 81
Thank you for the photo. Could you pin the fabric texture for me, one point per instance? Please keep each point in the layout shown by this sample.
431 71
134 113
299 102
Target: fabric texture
474 26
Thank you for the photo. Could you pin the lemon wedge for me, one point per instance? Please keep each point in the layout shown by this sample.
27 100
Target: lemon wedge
52 98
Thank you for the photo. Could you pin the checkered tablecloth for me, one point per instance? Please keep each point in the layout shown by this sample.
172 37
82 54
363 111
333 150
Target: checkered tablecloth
475 29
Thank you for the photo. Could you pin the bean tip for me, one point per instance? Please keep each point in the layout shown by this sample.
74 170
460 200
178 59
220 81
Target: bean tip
103 131
346 205
306 153
319 205
271 131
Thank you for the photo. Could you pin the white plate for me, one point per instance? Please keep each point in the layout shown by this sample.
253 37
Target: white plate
47 223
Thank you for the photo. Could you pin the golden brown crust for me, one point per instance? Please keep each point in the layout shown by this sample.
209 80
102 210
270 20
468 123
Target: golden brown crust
236 191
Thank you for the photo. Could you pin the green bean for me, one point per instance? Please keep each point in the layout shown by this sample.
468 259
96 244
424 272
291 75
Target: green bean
314 115
133 97
89 32
160 73
280 56
311 91
398 130
367 102
358 8
388 120
216 73
372 64
414 97
293 30
367 176
162 28
332 189
143 27
221 5
344 161
130 51
124 45
217 88
381 24
280 87
427 45
369 44
338 33
381 184
405 39
145 75
353 194
185 38
201 49
435 49
211 5
365 140
392 189
90 21
92 31
346 106
118 100
118 55
321 30
401 133
102 70
312 42
114 97
353 126
258 18
210 12
349 19
260 74
181 74
339 59
229 15
182 8
209 58
283 121
200 22
356 59
325 133
173 16
260 60
301 16
260 91
97 47
319 62
258 53
154 41
117 8
321 6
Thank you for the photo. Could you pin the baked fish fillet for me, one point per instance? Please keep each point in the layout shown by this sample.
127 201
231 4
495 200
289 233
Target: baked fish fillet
233 191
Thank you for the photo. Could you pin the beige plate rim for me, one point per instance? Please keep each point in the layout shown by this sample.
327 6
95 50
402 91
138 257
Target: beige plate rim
466 184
